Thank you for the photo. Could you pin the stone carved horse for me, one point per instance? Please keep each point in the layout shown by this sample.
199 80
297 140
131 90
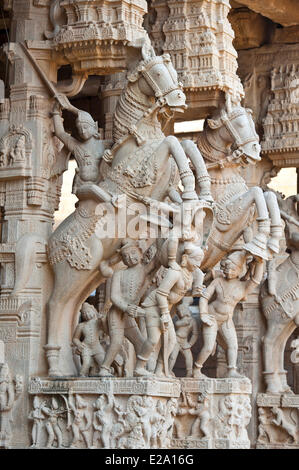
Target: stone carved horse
229 141
139 166
279 296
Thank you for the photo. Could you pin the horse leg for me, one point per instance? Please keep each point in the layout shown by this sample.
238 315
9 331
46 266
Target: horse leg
271 355
71 288
276 226
171 146
202 176
258 245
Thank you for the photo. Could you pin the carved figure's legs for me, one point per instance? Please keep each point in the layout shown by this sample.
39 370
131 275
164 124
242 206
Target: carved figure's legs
202 176
209 339
149 345
76 435
58 434
173 356
116 332
171 145
170 346
51 436
86 438
86 364
228 332
195 428
276 226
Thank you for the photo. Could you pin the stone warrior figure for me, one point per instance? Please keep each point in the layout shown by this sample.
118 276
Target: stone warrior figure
127 288
217 316
88 150
37 416
103 420
7 398
184 326
176 283
81 421
52 427
86 339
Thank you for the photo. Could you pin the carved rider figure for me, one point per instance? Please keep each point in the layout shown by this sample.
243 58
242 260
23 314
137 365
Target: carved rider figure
88 150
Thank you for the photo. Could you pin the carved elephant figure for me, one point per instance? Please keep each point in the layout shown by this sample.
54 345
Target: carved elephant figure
279 297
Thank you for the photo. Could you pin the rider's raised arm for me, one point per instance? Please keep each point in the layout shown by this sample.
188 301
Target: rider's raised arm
66 138
195 332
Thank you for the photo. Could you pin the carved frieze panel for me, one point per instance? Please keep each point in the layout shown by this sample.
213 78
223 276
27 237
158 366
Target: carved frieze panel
98 413
278 423
213 414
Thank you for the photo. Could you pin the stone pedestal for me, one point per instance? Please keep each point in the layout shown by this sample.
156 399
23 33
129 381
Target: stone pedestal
278 421
213 414
119 413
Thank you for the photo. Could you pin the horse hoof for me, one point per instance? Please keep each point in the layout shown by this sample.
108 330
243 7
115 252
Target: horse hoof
104 373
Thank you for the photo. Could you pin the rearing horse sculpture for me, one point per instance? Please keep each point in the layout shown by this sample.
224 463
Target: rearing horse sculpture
139 166
228 142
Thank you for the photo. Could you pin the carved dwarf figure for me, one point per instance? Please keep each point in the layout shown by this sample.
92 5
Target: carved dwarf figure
176 283
81 421
184 327
87 339
88 150
53 413
263 432
203 417
38 417
127 287
217 316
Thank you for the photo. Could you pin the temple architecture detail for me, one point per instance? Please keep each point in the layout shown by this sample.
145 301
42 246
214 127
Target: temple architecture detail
163 310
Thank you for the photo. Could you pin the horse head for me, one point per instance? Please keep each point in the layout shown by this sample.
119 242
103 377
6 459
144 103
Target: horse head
153 87
157 77
233 130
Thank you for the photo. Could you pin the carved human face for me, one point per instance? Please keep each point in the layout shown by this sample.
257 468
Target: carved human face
194 261
230 269
131 256
88 313
85 130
